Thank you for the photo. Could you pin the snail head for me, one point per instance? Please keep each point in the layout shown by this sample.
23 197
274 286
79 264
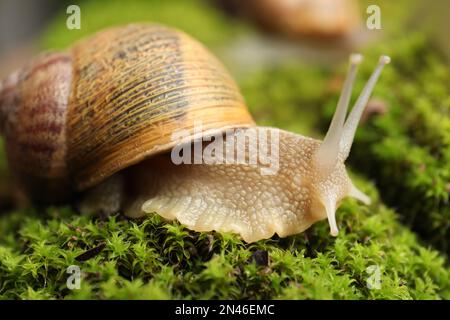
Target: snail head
332 182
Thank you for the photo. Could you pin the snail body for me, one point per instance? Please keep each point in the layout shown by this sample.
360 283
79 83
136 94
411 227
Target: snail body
99 119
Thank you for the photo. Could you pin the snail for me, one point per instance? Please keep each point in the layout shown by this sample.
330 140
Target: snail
97 121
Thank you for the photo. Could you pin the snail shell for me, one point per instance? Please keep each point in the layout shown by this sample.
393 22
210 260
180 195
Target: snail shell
75 118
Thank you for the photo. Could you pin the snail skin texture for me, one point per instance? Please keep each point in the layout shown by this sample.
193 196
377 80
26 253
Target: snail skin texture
96 121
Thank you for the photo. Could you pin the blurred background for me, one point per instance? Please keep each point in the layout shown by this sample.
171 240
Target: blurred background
254 31
289 58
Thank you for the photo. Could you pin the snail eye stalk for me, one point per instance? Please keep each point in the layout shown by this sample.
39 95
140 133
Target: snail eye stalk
327 155
341 133
351 124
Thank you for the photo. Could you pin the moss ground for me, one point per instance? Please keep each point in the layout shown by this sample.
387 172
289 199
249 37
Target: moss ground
400 158
151 259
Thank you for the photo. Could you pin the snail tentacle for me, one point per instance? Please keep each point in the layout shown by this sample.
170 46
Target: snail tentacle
327 155
359 195
351 124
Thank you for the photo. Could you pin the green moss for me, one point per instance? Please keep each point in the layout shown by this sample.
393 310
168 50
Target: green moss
279 97
154 259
